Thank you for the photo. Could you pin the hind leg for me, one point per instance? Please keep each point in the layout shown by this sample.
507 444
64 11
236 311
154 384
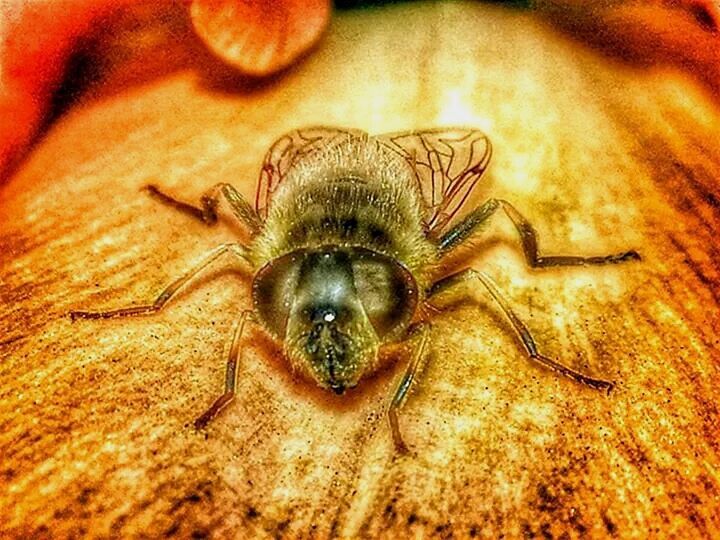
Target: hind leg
473 221
207 212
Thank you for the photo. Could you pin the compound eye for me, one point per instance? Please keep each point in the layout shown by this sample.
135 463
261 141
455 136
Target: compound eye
274 288
387 291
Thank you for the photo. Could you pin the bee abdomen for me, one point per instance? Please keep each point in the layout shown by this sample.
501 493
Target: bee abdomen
343 229
347 212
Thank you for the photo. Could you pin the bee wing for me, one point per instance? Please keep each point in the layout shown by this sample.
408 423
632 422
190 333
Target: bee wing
448 163
284 153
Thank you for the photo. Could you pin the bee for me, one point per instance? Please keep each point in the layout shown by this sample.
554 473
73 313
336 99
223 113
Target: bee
348 235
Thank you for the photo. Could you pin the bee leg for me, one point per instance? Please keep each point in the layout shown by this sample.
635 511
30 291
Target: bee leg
460 232
169 291
210 201
421 331
519 327
230 374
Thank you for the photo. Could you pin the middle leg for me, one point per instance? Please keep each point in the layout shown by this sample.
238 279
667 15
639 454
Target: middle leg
522 331
169 291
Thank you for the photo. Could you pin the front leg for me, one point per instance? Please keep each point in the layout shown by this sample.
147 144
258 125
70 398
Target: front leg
231 373
420 333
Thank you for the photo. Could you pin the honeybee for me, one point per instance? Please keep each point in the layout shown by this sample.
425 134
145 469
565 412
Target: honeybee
348 235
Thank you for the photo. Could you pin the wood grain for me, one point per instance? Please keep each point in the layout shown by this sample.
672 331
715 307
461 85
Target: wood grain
95 416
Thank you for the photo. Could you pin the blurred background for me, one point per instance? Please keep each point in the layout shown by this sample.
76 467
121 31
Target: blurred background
52 52
603 118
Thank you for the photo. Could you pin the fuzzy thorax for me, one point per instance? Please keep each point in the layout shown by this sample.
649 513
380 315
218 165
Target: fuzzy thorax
355 193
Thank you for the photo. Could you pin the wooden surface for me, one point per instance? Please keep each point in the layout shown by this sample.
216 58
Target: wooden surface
95 416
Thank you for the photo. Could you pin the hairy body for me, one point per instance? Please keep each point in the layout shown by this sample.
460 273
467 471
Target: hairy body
347 231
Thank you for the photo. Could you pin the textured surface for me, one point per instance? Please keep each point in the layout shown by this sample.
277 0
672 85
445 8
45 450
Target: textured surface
94 416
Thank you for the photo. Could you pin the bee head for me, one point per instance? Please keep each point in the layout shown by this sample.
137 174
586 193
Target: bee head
333 307
328 333
334 355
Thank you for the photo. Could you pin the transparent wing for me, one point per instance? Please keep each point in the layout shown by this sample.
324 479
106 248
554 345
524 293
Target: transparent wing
448 163
286 151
